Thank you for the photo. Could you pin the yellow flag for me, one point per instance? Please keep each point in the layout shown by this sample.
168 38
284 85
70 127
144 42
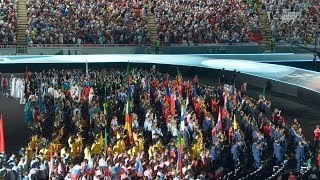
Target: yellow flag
235 125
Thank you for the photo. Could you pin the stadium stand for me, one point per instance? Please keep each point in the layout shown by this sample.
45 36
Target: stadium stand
293 21
8 22
207 21
86 22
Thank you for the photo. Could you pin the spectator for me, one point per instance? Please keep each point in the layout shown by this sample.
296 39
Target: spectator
8 22
86 22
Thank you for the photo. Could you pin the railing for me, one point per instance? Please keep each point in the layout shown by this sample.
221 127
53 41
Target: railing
130 45
211 44
82 45
7 46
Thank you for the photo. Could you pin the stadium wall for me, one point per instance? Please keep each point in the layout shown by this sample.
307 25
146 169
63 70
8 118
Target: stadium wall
173 49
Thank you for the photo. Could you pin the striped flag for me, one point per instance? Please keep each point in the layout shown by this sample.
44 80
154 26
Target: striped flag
219 124
187 99
128 124
51 170
183 114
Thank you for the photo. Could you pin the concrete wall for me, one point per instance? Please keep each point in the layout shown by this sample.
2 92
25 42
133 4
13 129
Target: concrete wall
7 51
213 49
85 50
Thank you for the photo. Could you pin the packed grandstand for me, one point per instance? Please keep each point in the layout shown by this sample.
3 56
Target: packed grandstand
126 22
143 124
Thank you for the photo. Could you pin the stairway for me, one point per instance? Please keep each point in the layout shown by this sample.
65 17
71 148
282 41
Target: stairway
22 24
265 26
153 32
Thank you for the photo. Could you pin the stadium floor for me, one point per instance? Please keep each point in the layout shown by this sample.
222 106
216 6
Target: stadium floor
251 64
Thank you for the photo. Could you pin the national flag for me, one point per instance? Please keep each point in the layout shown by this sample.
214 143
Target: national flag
172 105
219 124
75 172
235 125
183 115
105 143
51 170
139 168
264 91
187 99
168 94
2 143
128 123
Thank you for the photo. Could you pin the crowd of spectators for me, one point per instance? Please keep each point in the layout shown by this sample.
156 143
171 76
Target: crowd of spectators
179 129
206 21
8 22
86 22
301 28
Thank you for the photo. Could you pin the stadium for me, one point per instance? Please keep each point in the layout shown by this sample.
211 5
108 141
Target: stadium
159 89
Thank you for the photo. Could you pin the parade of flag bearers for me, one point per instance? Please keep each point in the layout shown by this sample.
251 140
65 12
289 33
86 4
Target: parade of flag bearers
137 123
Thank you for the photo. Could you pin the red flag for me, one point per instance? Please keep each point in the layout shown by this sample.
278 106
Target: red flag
2 144
172 105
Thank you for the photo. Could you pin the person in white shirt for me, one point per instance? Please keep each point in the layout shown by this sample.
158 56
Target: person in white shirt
22 98
156 132
148 124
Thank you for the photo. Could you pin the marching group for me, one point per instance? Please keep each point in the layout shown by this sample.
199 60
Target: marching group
142 124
